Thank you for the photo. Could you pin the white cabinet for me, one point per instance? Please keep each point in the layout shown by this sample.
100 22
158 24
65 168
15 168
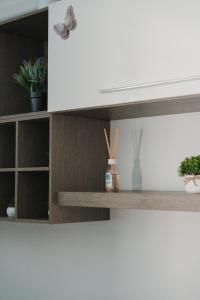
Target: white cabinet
123 43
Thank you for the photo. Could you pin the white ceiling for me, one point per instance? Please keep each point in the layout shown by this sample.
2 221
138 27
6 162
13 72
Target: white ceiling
12 8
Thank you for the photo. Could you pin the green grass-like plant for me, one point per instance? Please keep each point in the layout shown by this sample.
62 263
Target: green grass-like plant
190 166
32 75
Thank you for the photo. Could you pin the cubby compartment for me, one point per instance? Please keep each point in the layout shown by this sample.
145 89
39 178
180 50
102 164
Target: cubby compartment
33 195
24 38
7 191
7 148
33 143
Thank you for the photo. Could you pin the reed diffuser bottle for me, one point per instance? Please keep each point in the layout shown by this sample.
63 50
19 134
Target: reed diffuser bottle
112 176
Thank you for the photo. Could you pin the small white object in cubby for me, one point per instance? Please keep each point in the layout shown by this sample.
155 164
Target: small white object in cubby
10 212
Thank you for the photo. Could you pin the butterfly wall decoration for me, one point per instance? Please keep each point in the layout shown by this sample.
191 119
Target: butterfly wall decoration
63 29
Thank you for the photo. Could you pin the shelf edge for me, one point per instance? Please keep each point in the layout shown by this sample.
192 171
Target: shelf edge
167 201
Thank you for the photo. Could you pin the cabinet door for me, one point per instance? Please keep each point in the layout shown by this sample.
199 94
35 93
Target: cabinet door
122 43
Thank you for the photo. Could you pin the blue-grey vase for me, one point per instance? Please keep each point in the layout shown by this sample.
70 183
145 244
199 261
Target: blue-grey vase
36 101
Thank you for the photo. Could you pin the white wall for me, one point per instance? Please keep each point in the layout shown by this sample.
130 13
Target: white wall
137 255
166 140
12 8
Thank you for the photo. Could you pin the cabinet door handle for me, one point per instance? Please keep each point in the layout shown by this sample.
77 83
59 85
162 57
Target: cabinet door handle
149 84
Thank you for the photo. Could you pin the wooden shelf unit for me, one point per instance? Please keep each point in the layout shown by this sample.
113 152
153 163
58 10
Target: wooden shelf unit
26 185
177 201
24 136
171 201
50 150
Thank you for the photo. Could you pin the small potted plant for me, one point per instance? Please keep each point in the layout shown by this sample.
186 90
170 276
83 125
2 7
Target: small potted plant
190 169
32 76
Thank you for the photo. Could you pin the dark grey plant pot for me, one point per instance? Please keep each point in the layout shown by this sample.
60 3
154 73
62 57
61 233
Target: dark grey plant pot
36 101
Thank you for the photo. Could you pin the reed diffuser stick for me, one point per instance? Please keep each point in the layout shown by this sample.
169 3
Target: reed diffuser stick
115 143
107 143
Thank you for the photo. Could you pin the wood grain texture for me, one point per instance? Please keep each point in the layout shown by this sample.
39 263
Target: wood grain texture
13 51
32 25
22 38
33 143
16 165
78 163
7 191
5 170
29 185
33 195
38 221
172 201
16 194
154 107
32 169
24 116
7 148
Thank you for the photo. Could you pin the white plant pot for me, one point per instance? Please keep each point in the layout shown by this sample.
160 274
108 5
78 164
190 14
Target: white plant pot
192 185
10 212
45 3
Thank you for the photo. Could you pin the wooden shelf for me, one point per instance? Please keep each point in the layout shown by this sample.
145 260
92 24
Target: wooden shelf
32 169
43 150
5 170
153 107
24 116
24 167
172 201
42 221
27 169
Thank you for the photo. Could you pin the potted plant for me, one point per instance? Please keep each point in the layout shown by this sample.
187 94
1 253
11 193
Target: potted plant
32 76
190 169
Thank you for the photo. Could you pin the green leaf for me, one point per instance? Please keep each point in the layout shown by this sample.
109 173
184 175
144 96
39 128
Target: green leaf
190 166
32 75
